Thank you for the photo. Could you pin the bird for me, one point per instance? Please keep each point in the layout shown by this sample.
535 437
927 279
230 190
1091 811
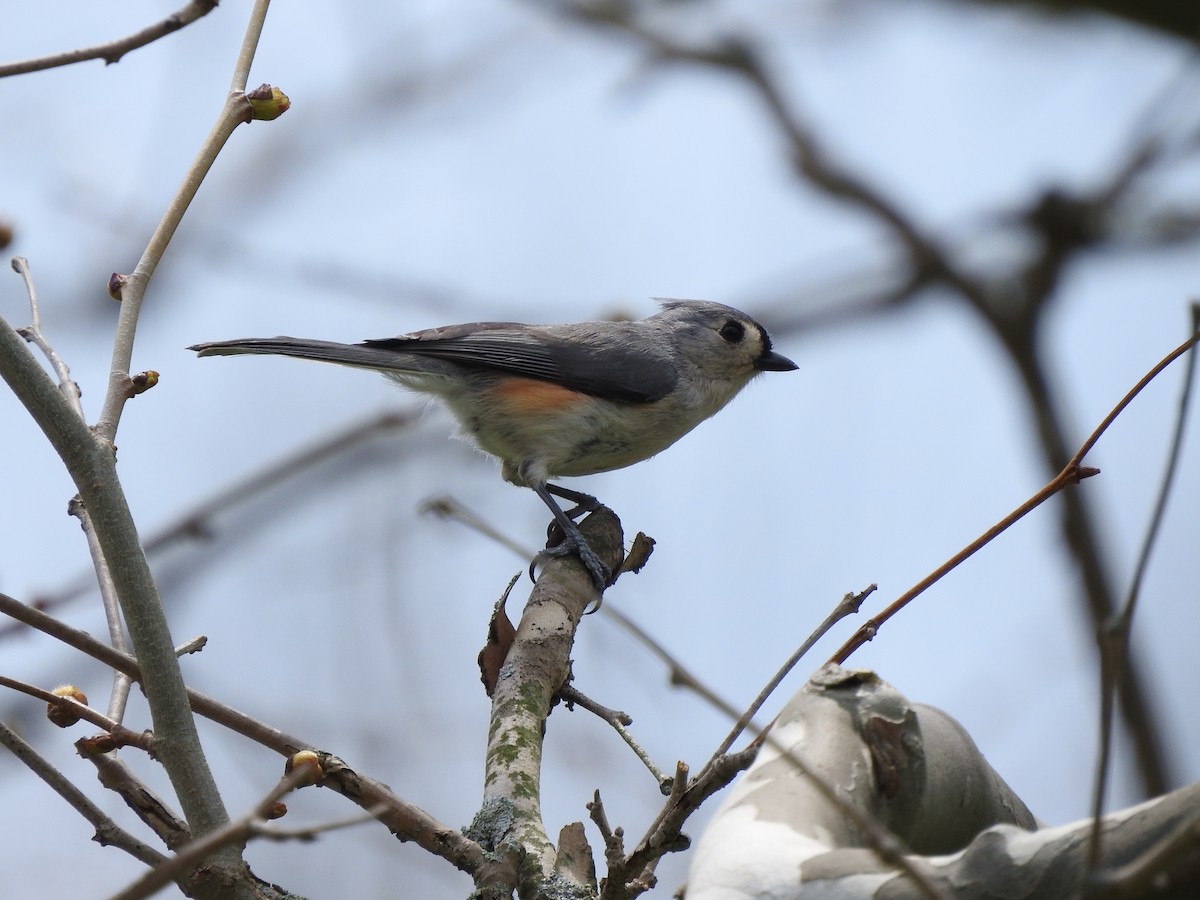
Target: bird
566 400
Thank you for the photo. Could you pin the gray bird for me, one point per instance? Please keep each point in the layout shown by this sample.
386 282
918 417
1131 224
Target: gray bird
562 400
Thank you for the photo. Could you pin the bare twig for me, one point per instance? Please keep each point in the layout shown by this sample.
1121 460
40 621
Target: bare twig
108 833
241 69
202 704
196 523
614 849
33 333
405 820
848 606
88 457
93 469
618 721
680 676
119 695
154 812
114 50
1063 223
722 765
143 740
192 645
70 390
1072 473
1114 638
312 832
665 833
572 696
196 852
236 111
445 506
597 814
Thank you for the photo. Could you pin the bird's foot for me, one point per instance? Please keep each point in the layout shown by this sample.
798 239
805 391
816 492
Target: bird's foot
601 574
572 540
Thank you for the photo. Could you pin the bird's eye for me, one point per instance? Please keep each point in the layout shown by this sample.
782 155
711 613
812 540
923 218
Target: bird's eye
733 332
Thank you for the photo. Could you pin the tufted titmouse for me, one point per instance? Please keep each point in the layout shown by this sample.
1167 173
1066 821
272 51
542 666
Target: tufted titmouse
563 400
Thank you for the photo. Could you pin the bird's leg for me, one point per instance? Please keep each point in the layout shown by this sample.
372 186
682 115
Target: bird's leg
573 540
584 503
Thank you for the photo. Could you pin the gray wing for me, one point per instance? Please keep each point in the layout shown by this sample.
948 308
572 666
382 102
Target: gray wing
610 360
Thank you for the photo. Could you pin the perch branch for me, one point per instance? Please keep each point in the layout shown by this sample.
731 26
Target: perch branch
534 671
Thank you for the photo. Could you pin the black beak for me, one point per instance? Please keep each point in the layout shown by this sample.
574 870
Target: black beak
774 362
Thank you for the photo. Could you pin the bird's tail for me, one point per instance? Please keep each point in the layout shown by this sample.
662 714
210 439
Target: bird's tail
358 355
